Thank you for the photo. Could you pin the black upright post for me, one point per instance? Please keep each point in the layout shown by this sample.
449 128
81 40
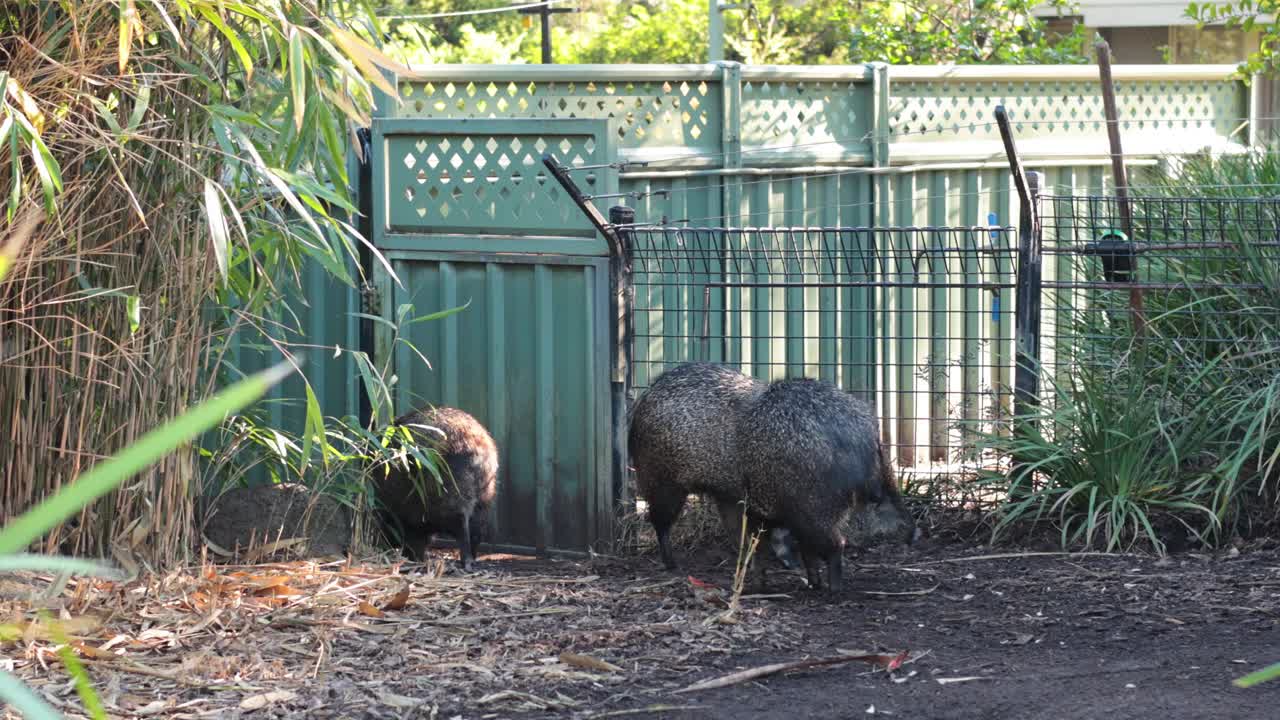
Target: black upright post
546 35
545 11
623 293
1028 303
1026 379
364 223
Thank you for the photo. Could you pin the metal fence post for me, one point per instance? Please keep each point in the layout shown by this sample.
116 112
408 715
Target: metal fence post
731 140
879 114
623 294
1026 379
367 293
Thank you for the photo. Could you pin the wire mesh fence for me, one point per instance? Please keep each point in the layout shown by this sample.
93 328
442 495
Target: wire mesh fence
1181 280
917 321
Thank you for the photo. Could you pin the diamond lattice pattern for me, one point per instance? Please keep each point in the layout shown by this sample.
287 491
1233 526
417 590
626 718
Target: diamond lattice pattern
920 111
485 181
782 114
647 114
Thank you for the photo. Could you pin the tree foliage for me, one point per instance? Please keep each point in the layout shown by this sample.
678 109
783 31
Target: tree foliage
1248 15
191 158
815 32
954 31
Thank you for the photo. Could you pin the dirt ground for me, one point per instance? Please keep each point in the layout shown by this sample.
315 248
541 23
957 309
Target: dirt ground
979 632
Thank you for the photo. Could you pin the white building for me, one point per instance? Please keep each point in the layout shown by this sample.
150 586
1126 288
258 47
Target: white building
1143 32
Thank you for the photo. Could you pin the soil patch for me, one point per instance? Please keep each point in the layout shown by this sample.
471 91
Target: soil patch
989 634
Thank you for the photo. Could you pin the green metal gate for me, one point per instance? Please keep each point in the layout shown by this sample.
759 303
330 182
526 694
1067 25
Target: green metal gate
466 214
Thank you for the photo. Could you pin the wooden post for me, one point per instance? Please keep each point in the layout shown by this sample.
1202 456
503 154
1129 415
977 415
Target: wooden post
1118 171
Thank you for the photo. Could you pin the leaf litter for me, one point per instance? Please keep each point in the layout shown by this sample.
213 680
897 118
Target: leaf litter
226 639
604 638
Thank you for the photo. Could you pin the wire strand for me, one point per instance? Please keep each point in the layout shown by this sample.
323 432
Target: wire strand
872 204
470 13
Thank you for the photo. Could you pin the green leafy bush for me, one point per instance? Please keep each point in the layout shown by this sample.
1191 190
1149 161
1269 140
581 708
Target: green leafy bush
1112 454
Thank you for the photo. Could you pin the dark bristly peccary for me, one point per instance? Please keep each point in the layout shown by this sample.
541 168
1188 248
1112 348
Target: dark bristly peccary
681 440
810 455
264 514
459 503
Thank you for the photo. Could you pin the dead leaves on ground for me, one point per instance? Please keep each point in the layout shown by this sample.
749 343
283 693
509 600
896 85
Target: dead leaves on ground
255 637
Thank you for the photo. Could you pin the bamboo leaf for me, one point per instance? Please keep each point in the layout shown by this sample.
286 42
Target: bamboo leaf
28 104
1266 674
358 52
346 106
313 429
373 53
27 562
168 21
140 105
127 12
297 76
218 232
47 182
107 116
237 45
277 182
437 315
240 116
133 305
106 475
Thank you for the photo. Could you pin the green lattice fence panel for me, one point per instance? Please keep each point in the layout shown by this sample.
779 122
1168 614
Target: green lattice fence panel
485 177
671 111
788 120
1060 113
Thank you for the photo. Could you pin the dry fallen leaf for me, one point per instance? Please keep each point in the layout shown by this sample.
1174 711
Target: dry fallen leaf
399 601
271 548
154 707
93 652
588 662
399 701
267 581
34 630
888 662
257 702
371 611
279 591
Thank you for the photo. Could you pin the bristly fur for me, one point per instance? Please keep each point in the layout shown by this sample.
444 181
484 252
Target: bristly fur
682 441
810 454
459 505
